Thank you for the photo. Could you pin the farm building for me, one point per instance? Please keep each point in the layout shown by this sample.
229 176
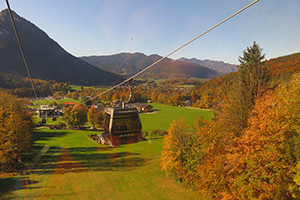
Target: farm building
142 107
45 112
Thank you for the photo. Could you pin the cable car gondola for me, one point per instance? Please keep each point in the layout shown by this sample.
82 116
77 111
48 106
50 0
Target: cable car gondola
121 126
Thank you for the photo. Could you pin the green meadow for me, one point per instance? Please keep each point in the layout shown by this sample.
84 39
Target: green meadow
67 164
78 88
58 101
163 116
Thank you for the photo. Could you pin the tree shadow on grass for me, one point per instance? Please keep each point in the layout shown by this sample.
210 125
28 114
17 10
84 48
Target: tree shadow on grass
42 137
48 135
6 183
15 183
90 158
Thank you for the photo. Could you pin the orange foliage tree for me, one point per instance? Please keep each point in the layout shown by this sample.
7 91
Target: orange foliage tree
263 163
251 151
212 165
116 96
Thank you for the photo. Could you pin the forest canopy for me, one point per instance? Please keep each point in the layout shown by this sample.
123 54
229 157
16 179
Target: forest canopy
251 149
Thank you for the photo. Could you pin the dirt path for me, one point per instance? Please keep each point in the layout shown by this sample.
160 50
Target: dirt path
26 178
66 163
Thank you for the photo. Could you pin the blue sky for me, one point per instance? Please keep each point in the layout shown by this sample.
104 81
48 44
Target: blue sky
106 27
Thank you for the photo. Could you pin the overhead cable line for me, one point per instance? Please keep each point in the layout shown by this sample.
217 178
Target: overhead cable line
137 74
21 49
125 81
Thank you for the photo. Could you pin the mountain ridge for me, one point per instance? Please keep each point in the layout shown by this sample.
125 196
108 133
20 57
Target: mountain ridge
131 63
45 57
212 64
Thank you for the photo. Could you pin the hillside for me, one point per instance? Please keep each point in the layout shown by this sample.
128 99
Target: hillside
212 64
129 64
281 70
46 58
283 67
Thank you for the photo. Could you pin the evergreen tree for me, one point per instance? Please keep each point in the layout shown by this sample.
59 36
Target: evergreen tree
253 74
252 77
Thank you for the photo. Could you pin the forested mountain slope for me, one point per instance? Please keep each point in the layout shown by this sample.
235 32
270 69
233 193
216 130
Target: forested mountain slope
46 58
129 64
280 69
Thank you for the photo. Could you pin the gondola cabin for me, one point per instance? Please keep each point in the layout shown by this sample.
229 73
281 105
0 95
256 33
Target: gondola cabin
122 126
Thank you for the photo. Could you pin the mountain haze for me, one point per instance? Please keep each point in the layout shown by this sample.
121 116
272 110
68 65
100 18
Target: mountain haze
45 57
129 64
212 64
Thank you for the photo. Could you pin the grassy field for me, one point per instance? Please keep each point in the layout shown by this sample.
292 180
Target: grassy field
164 115
67 164
78 88
58 101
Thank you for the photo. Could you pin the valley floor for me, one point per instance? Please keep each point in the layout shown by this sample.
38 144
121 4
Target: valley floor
69 165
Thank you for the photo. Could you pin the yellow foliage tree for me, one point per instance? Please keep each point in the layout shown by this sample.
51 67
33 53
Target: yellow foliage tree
172 152
180 153
76 116
16 127
95 116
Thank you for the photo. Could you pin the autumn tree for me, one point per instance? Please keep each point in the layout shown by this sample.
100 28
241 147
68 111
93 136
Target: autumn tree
216 143
176 99
252 78
95 115
116 96
180 153
16 126
264 161
250 81
76 116
211 145
86 100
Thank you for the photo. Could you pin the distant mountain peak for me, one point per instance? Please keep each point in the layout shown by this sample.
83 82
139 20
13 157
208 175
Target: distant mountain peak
45 57
4 15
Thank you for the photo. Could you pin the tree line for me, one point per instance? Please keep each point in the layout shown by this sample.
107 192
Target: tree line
251 149
201 93
21 87
78 115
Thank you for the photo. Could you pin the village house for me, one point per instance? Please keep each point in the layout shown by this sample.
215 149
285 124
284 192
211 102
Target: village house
116 103
142 107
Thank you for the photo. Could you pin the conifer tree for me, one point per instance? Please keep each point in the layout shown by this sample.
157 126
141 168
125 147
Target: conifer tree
252 77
